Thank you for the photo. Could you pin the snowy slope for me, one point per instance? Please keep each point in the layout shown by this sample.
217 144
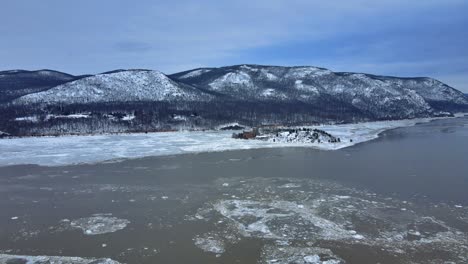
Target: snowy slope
16 83
202 98
121 86
382 96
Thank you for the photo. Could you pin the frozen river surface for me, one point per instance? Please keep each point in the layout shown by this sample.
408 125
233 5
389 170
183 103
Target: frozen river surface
55 151
398 199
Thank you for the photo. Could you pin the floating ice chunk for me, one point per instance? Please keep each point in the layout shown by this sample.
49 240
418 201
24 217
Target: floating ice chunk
290 185
304 255
315 259
458 206
164 197
209 244
357 236
331 261
343 196
97 225
414 233
4 258
14 218
225 184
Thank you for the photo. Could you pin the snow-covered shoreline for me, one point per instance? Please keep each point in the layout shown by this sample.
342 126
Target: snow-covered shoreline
67 150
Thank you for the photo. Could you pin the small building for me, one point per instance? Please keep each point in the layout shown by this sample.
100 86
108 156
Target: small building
246 134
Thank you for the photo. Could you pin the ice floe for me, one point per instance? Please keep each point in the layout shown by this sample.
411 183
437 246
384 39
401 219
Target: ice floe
99 224
298 255
209 243
291 222
7 259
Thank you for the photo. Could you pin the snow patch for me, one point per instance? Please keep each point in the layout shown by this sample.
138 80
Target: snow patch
232 79
71 116
179 118
128 117
305 87
304 72
194 73
269 76
28 119
246 67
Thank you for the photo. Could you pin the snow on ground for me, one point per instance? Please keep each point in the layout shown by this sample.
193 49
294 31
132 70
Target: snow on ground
27 118
194 73
56 151
128 117
232 78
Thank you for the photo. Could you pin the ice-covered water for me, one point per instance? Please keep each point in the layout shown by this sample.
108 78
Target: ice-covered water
394 200
320 211
11 259
56 151
298 255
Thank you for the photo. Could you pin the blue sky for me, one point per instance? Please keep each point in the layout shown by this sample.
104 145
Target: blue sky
402 38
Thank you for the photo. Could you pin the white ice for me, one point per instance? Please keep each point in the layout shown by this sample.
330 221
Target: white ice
4 258
209 244
65 150
99 224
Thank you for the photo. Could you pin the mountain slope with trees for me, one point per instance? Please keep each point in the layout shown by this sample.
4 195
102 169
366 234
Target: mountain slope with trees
253 95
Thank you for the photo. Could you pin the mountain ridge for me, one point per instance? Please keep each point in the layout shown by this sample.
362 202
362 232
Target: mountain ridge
16 83
134 100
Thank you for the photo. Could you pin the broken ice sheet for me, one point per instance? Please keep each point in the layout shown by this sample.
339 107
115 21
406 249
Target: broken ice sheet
210 243
323 211
278 219
99 224
7 259
298 255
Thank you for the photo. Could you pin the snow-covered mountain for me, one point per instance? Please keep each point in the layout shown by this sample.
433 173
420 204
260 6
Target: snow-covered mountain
118 86
384 97
16 83
208 97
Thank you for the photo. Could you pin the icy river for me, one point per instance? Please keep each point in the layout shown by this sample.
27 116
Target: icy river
402 198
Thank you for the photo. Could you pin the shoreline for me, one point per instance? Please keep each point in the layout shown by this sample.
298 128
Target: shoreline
455 115
91 149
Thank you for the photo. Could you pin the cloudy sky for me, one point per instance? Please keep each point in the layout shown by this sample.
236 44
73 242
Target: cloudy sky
391 37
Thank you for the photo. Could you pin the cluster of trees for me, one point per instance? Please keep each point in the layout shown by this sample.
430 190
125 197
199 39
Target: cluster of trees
162 116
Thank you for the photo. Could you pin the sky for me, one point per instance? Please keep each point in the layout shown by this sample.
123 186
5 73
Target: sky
388 37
